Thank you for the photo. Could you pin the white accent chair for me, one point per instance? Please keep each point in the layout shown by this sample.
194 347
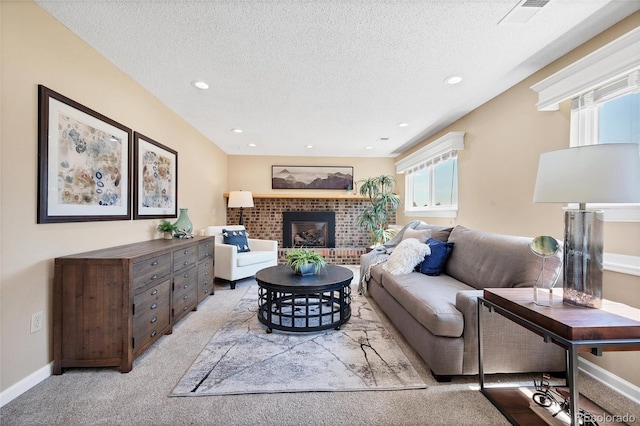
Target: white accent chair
232 266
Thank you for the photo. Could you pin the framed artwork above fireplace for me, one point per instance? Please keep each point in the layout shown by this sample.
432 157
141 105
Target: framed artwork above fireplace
311 177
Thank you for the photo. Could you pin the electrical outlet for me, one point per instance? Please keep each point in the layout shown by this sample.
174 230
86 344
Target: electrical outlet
36 321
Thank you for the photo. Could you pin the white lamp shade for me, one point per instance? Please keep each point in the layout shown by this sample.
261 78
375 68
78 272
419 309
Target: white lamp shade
605 173
240 199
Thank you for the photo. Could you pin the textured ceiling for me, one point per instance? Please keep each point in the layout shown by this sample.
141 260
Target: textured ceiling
338 75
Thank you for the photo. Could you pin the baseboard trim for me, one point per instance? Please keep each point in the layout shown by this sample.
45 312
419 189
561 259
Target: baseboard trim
624 388
25 384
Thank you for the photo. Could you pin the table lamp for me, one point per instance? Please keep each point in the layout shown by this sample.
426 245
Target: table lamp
604 173
240 199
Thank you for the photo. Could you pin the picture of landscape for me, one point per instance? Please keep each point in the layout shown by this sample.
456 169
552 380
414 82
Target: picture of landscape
311 177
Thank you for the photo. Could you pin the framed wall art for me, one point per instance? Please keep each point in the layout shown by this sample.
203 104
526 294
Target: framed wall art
311 177
156 179
84 167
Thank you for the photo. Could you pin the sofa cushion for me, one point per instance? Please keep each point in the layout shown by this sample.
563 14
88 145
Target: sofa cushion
484 259
434 263
406 256
440 233
430 300
236 238
421 235
251 258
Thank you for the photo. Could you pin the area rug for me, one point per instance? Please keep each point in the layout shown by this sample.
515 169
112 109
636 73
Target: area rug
242 358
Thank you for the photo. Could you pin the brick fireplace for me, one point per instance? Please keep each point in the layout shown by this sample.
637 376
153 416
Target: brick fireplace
265 221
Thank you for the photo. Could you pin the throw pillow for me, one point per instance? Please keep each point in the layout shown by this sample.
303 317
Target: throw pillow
236 238
434 263
407 254
421 235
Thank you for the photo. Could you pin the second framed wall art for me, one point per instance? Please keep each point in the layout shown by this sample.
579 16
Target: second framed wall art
156 179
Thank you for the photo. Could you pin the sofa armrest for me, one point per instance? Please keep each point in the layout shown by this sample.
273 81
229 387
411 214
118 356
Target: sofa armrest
508 347
262 245
225 255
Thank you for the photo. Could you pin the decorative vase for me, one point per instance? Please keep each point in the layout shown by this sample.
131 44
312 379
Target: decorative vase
307 269
183 224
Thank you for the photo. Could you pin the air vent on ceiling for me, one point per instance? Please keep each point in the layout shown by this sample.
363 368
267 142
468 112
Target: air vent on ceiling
523 11
383 140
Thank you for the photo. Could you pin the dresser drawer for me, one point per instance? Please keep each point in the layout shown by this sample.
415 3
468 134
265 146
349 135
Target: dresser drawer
205 250
150 270
205 279
185 291
151 314
185 257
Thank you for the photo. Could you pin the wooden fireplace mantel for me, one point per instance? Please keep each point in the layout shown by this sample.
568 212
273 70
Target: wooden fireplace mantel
337 196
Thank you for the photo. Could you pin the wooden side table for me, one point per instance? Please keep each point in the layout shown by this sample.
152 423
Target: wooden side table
577 329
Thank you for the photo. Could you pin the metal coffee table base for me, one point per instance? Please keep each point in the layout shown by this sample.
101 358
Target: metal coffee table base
304 312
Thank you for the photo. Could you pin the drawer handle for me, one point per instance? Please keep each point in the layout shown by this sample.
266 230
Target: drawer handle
154 263
154 305
154 319
186 296
205 291
186 275
186 252
185 308
155 291
186 286
154 276
186 262
153 333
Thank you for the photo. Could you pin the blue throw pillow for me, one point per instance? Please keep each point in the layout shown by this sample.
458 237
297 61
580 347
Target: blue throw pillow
236 238
434 263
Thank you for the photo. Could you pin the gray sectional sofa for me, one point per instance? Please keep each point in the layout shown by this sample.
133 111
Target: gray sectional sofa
438 314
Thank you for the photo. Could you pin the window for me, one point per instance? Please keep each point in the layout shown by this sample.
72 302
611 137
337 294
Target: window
431 178
604 88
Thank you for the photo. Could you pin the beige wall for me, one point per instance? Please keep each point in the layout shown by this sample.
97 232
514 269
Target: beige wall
253 173
36 49
497 171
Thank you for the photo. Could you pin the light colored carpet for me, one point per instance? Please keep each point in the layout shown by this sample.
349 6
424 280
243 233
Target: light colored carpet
243 358
104 396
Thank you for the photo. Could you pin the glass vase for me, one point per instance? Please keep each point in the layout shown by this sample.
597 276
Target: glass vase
183 224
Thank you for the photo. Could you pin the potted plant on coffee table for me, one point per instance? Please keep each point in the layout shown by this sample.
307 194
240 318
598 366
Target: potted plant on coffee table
382 203
167 228
304 261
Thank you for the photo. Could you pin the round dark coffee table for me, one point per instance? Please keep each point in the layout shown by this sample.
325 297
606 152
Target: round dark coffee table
291 302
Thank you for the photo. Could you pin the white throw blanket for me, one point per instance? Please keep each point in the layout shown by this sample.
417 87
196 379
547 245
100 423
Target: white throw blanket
380 254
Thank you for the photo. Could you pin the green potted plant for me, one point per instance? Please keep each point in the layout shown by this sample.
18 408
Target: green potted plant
382 203
304 261
167 228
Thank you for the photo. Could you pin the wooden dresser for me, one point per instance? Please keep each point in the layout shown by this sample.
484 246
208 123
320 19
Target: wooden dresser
110 305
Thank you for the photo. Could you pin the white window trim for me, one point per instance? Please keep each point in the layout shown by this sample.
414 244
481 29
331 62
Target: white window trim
612 61
605 64
452 141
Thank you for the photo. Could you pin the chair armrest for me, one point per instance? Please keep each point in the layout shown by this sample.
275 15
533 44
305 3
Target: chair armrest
262 245
225 254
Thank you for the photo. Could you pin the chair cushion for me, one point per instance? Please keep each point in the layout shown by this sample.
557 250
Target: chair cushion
251 258
434 263
236 238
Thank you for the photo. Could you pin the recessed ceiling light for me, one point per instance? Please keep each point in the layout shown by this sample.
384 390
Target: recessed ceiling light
368 147
252 145
403 124
200 84
309 146
236 130
454 79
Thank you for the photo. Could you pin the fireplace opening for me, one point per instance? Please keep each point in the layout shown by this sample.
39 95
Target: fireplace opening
308 229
